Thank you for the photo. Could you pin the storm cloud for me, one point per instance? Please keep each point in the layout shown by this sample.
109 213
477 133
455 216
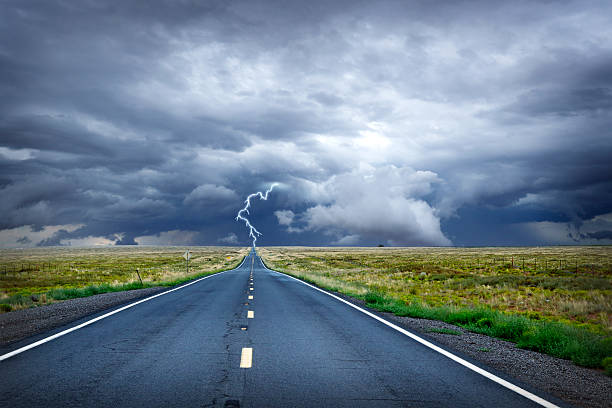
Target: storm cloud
393 122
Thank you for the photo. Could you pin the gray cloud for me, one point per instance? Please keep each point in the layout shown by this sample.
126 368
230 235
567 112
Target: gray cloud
150 122
600 235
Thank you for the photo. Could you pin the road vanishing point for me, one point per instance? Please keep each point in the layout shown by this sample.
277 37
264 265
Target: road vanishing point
249 337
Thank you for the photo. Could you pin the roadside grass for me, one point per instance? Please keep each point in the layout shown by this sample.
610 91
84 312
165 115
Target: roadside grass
580 345
553 311
103 271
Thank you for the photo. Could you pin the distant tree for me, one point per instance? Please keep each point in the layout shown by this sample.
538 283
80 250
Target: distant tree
380 245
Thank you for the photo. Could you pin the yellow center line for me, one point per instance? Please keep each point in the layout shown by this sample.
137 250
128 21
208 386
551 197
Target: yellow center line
250 314
250 297
251 288
246 358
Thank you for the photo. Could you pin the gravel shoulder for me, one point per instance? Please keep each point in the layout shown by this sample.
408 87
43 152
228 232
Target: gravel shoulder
20 324
579 386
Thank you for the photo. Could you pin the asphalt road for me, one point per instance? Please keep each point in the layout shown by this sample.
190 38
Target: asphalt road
186 348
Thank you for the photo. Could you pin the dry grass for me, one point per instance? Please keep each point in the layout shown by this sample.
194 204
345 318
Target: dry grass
30 275
567 284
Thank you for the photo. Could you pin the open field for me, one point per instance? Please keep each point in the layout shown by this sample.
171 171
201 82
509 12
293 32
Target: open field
565 288
43 275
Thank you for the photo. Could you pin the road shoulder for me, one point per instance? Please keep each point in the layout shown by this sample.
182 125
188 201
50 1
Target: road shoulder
579 386
21 324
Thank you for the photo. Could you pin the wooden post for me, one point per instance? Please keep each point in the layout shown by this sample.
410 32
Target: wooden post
139 278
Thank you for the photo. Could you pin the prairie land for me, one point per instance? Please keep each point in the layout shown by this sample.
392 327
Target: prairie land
552 299
572 284
43 275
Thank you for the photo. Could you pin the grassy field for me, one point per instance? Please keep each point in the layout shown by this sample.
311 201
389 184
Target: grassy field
552 299
43 275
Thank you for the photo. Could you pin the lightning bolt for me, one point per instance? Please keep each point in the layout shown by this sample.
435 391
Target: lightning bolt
253 233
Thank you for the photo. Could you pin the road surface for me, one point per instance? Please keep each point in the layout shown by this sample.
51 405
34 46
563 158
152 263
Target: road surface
249 337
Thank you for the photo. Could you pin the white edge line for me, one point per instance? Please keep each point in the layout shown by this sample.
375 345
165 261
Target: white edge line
104 316
432 346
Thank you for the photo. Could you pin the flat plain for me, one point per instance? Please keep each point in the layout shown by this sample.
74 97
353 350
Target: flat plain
42 275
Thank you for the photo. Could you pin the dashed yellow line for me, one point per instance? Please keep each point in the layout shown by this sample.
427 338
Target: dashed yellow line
246 358
250 297
250 314
251 288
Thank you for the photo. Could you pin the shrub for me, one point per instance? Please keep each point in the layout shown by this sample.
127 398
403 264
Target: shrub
374 298
509 327
484 322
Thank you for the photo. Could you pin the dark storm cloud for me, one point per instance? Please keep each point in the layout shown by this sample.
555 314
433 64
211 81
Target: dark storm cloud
607 235
385 122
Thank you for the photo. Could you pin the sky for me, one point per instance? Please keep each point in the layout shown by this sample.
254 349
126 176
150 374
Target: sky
396 123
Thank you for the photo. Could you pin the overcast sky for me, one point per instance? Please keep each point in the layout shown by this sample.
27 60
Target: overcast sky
395 123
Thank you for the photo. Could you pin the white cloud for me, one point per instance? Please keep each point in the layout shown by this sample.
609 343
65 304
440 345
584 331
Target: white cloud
285 217
231 239
173 237
348 240
88 242
380 204
207 193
